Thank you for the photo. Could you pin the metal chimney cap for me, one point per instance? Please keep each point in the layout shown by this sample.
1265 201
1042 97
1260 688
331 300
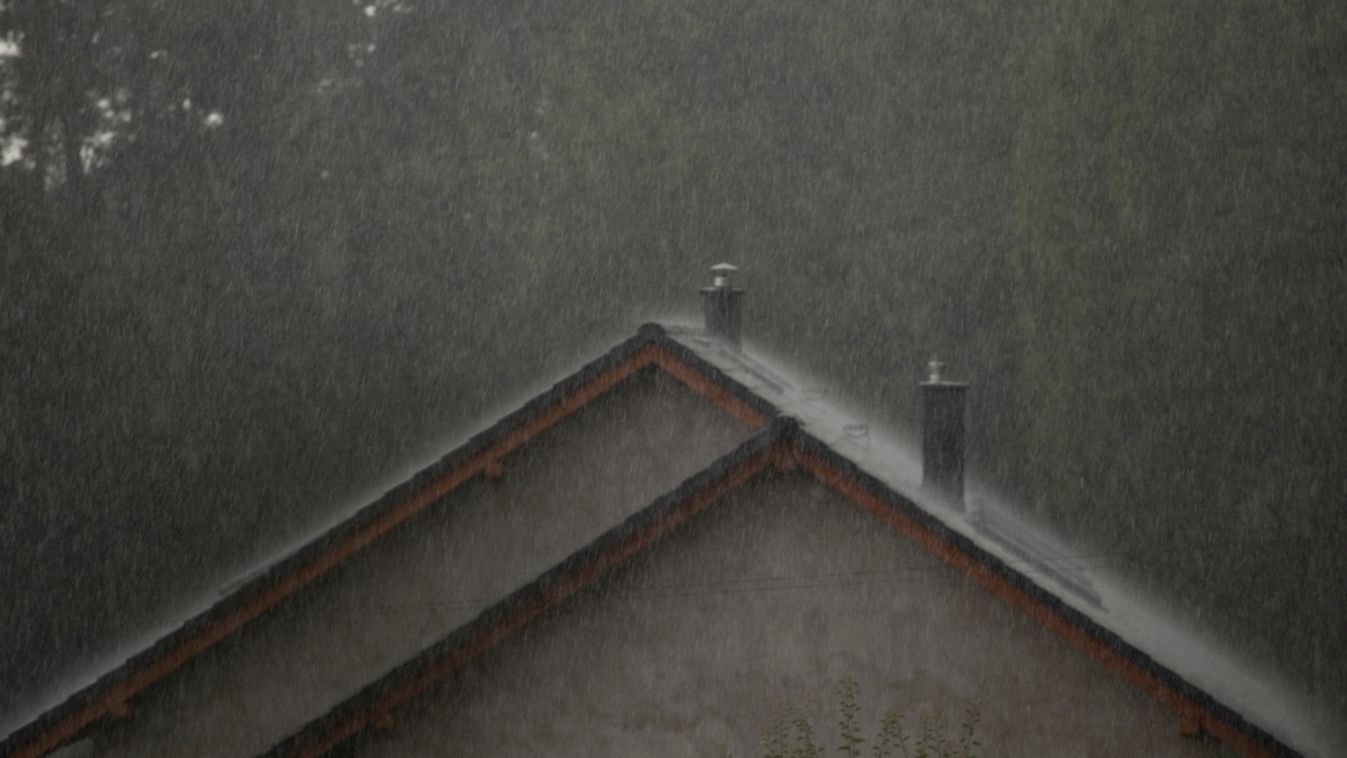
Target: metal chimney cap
722 273
934 378
934 367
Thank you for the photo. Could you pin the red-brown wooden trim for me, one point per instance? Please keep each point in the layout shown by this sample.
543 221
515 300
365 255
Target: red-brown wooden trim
121 711
482 462
494 470
382 710
1186 709
706 387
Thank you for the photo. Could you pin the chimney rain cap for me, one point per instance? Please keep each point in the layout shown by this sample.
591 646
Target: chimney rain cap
933 368
722 272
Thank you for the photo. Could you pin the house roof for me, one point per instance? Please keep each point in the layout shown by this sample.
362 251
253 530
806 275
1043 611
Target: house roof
268 585
799 428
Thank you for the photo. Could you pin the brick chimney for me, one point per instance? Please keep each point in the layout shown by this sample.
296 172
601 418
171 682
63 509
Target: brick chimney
942 437
723 306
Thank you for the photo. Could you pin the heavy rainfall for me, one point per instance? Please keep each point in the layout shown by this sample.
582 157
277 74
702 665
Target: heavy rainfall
261 262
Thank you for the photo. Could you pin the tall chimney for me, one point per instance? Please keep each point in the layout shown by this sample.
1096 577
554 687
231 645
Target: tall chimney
942 437
723 306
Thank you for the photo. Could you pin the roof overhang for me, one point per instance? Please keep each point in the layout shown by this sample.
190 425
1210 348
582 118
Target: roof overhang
781 444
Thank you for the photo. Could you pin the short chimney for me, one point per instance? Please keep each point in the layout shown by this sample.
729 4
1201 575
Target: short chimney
723 306
942 437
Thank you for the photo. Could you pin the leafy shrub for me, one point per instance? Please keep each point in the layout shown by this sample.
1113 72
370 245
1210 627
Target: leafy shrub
790 730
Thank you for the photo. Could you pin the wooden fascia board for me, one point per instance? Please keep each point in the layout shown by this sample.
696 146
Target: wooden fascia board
655 352
1044 613
710 388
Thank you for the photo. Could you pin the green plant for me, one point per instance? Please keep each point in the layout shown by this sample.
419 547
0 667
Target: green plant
848 726
891 734
790 732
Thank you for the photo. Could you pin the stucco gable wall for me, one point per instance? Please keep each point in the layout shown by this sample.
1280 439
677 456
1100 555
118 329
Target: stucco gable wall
430 575
779 590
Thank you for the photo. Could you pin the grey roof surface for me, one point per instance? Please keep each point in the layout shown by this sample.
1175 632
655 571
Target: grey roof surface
887 464
1072 576
888 461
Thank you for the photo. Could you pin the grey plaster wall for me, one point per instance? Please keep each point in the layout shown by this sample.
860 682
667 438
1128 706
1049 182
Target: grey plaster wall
777 591
437 571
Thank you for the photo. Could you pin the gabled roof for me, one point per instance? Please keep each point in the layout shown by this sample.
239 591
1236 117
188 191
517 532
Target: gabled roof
794 443
798 430
271 584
